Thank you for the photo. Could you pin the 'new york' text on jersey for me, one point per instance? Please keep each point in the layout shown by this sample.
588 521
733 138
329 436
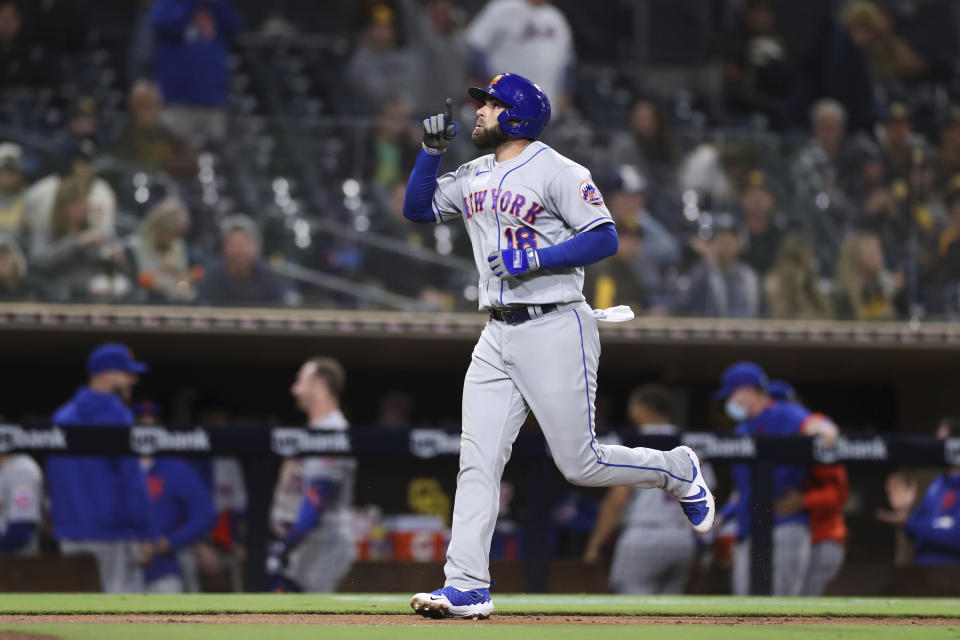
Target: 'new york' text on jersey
538 199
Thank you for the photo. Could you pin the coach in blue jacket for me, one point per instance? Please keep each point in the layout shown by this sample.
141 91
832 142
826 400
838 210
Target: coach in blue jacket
99 504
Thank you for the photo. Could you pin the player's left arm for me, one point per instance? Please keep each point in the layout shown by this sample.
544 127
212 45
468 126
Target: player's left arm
201 515
319 495
578 202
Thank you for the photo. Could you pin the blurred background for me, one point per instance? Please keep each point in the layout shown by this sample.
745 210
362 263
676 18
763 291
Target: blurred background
785 179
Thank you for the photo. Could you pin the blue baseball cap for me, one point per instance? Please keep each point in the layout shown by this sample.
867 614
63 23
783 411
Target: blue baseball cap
113 356
741 374
781 390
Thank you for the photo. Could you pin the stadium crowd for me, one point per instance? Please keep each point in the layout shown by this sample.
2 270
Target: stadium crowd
190 161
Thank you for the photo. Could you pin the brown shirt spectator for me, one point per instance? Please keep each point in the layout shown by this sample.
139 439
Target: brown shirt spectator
864 288
793 287
147 141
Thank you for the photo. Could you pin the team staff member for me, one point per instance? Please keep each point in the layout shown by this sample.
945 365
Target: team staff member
934 525
99 504
744 388
21 488
655 551
181 513
314 495
825 494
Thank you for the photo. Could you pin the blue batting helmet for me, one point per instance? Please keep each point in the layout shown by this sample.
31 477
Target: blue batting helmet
529 110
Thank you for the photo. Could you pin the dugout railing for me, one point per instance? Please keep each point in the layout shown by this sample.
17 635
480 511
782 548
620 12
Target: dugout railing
261 449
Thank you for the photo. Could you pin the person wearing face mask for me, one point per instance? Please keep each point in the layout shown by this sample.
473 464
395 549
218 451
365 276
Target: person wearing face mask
744 389
99 504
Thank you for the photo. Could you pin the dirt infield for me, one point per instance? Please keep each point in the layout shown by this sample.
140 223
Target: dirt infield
414 620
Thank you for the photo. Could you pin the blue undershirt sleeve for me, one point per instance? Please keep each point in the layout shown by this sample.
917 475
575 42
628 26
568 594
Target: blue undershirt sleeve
423 182
588 247
311 510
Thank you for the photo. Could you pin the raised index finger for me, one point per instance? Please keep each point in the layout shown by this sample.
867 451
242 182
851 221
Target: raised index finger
449 111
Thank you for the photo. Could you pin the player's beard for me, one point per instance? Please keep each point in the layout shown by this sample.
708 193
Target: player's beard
489 137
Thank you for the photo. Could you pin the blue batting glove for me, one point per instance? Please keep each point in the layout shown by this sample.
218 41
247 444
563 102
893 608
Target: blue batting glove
511 263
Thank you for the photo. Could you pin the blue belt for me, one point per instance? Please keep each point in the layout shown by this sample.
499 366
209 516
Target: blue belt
519 315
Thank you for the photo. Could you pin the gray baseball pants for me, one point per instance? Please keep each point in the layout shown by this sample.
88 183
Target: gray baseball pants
652 561
117 563
826 560
547 365
791 556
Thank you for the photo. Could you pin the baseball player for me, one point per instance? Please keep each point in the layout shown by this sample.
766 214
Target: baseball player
825 494
21 488
534 219
745 390
311 509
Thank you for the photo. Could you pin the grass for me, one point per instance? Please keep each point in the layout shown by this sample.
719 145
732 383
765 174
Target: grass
471 631
540 604
544 604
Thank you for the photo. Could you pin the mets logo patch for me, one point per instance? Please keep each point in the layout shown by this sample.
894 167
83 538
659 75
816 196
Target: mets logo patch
590 193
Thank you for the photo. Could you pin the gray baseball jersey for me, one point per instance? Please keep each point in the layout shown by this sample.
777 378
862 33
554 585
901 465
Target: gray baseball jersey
321 560
21 489
539 199
547 364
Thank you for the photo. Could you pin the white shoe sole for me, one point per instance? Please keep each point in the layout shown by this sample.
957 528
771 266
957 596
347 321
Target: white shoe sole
437 607
707 523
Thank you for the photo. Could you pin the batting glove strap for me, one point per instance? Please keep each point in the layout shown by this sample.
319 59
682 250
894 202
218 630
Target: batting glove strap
510 263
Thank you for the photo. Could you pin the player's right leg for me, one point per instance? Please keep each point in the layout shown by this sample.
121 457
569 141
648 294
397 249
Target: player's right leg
493 412
556 359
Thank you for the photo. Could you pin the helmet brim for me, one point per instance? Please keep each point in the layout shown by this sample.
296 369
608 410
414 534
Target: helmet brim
482 95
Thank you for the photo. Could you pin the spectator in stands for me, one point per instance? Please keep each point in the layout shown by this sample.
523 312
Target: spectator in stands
161 257
948 260
891 59
181 513
792 287
380 70
12 219
835 65
148 141
815 169
721 285
395 143
762 223
747 401
948 162
925 216
896 139
100 504
21 496
864 289
616 281
934 525
648 143
13 270
40 198
314 495
756 67
625 191
239 276
654 552
192 40
528 37
21 64
83 123
79 261
441 53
